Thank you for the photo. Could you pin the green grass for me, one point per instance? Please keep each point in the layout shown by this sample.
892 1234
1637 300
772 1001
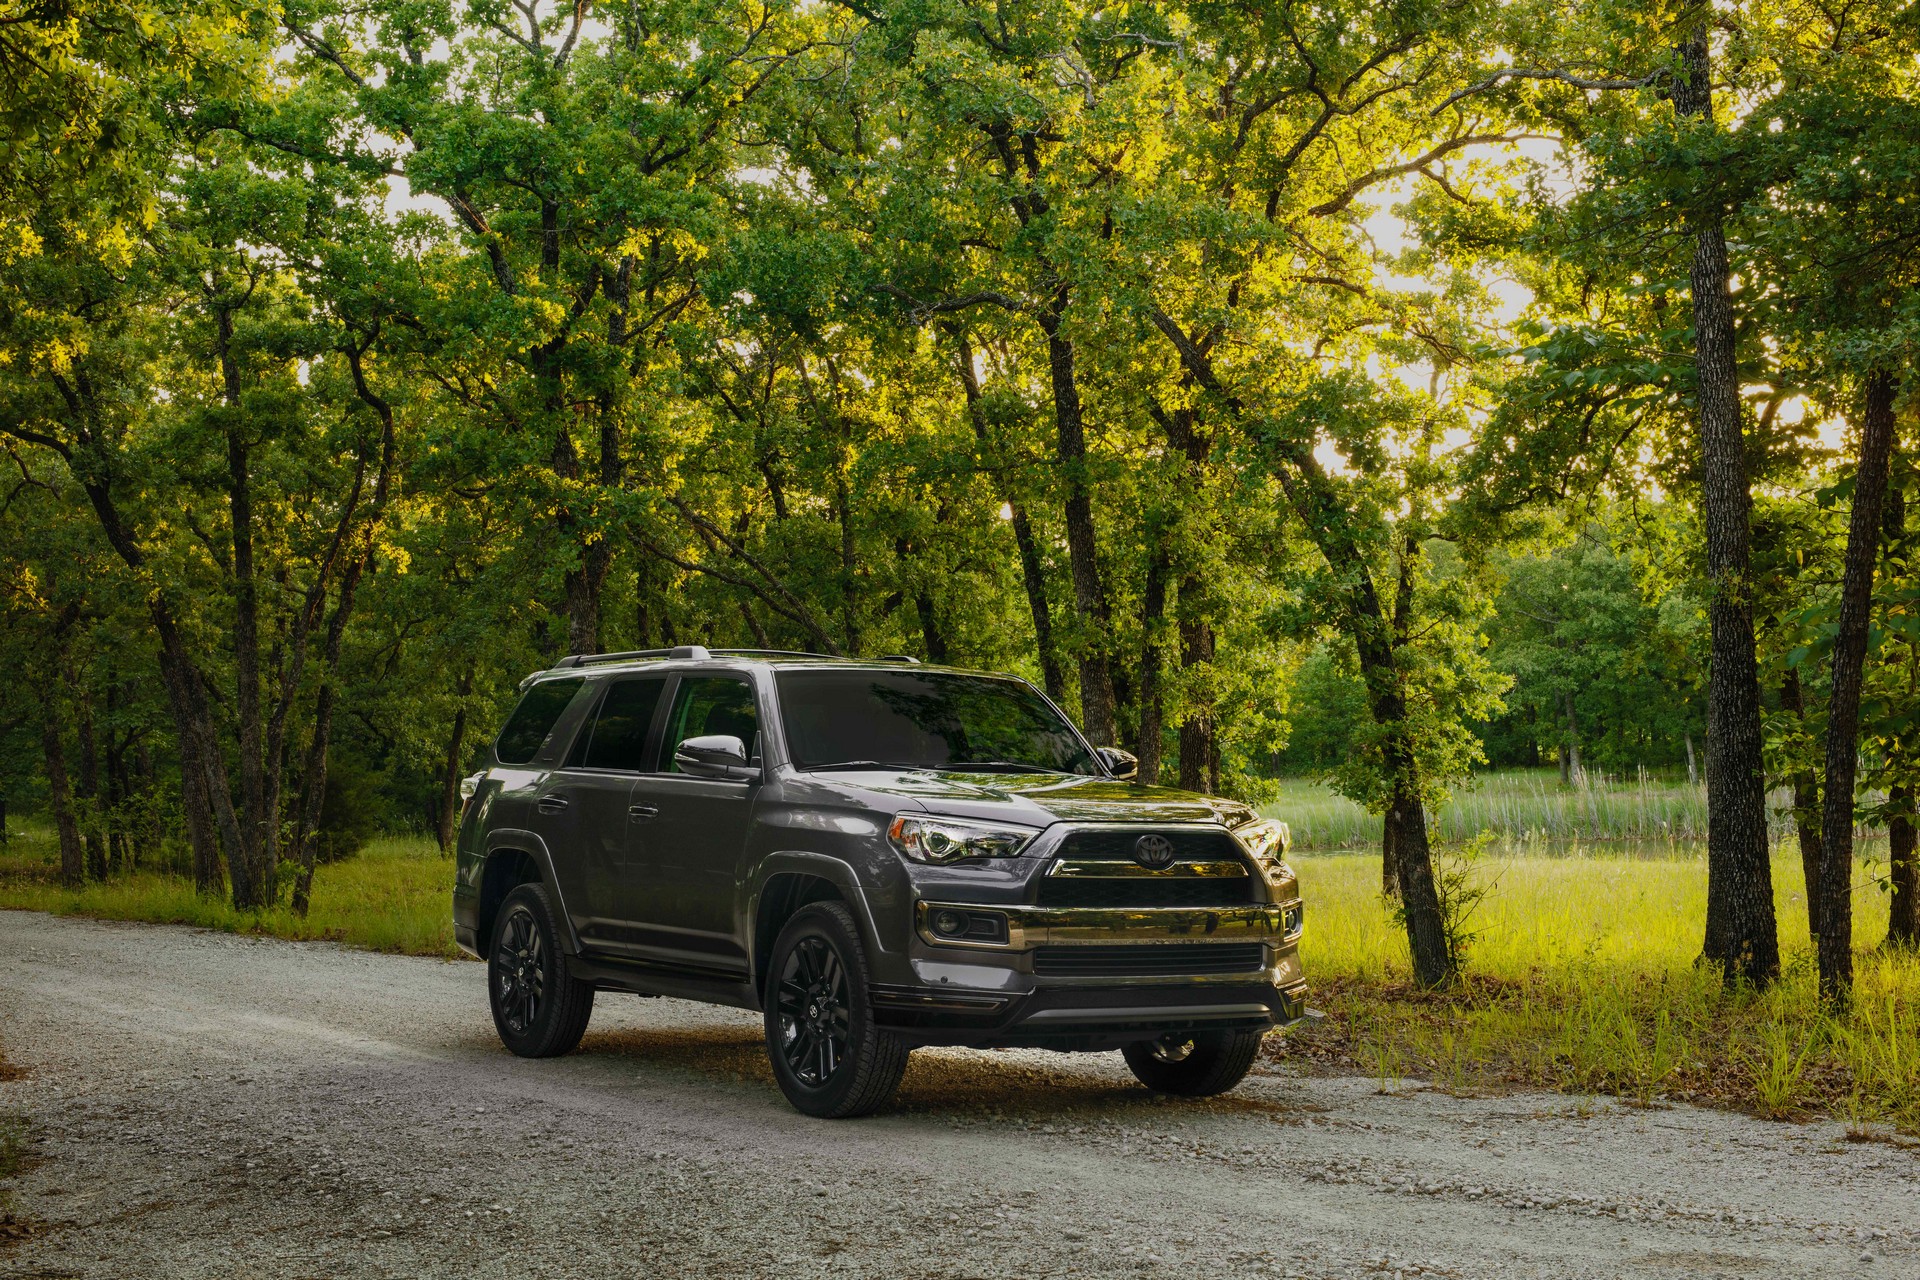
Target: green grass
1583 978
394 895
1527 809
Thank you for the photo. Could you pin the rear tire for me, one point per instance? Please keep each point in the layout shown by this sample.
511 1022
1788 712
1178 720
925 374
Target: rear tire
1194 1064
539 1009
828 1056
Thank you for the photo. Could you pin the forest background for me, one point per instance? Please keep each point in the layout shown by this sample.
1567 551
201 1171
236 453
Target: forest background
1376 396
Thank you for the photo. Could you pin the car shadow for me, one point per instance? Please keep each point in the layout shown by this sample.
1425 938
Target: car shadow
980 1084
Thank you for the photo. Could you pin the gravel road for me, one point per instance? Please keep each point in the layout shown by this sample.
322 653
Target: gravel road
209 1106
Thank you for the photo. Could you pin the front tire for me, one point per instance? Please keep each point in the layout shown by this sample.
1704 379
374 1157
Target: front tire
1194 1064
539 1009
828 1056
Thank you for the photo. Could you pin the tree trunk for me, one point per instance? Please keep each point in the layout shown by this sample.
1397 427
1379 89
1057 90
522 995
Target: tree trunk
1575 774
1097 701
1740 932
1806 806
93 842
1693 770
1032 572
1903 917
450 775
1389 859
53 749
259 845
1903 869
1196 731
1843 706
1153 605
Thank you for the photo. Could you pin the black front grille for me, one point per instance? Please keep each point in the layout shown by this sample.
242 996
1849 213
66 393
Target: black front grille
1145 891
1166 959
1116 845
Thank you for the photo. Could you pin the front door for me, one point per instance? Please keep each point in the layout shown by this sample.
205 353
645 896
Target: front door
694 836
592 799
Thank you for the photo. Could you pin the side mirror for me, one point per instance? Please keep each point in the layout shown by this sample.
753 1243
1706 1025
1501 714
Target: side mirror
715 755
1123 765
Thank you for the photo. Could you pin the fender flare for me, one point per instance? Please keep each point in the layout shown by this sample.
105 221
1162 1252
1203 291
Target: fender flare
520 840
840 874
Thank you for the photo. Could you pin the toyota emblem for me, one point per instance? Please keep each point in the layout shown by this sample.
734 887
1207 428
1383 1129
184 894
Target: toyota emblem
1153 851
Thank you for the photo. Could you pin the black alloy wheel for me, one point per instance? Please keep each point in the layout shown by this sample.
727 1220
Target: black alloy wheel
815 1031
539 1009
1193 1064
519 966
827 1055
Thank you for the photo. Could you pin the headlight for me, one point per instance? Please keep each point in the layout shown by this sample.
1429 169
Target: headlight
1265 839
944 840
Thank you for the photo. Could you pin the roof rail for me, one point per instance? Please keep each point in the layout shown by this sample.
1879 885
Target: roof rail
898 657
690 651
778 653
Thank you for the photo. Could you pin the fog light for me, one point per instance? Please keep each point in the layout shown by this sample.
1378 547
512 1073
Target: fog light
950 923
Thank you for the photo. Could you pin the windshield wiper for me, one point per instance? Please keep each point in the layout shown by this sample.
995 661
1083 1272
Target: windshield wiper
862 764
998 766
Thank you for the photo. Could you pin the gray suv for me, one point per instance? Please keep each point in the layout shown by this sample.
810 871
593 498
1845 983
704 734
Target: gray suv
876 855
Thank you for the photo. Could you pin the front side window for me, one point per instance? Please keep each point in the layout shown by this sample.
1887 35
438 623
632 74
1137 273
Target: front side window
707 705
539 710
618 739
925 720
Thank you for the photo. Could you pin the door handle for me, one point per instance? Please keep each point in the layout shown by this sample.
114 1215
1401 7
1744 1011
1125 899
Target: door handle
643 811
551 803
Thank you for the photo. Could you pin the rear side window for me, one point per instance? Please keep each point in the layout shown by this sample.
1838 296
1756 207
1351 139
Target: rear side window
534 719
618 739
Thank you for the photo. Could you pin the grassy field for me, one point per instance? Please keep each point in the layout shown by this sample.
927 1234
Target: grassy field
1581 977
1529 810
395 895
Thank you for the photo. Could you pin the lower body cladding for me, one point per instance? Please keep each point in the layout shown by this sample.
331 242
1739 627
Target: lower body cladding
992 976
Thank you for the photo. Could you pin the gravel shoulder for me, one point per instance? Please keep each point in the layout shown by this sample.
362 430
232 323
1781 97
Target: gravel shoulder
206 1105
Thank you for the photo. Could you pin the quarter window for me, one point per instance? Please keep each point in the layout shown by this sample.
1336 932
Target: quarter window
539 710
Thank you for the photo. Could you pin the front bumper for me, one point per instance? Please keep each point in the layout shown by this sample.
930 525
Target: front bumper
990 992
1088 1018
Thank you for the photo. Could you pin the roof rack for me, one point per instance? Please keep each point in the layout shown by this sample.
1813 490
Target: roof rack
692 651
898 657
695 653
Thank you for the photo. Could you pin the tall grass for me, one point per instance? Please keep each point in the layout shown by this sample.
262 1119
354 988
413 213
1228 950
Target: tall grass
1529 809
394 895
1583 977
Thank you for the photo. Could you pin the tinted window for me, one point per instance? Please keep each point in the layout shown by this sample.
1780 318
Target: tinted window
534 719
928 720
708 705
618 739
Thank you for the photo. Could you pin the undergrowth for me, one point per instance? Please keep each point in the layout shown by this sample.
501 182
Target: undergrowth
1582 978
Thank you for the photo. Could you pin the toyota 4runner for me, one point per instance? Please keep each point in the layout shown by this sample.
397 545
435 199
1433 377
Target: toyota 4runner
876 855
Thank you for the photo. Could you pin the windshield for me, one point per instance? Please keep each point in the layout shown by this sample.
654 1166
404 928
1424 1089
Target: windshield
925 720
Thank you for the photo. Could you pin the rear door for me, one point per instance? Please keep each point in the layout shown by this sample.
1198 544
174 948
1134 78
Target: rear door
693 831
589 800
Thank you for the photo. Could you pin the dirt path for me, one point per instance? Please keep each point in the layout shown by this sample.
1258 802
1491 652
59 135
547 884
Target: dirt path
205 1105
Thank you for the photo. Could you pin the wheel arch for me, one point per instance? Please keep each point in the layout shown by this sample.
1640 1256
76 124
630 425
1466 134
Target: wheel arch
514 858
794 882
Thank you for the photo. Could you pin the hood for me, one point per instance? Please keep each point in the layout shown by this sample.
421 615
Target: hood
1035 799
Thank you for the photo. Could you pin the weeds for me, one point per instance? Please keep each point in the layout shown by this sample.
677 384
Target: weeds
1780 1070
